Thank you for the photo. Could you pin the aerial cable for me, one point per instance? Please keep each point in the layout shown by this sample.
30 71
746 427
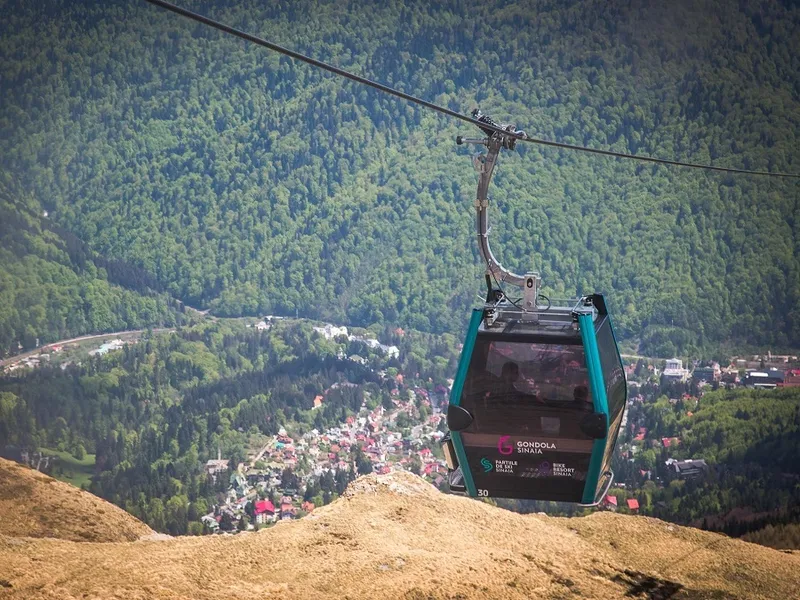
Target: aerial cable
441 109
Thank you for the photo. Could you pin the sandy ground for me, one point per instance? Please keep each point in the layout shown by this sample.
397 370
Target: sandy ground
35 505
395 536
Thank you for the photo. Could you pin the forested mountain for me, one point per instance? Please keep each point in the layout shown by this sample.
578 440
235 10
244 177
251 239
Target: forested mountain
53 287
245 182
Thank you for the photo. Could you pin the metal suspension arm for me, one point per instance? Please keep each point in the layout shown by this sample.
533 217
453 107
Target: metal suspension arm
485 164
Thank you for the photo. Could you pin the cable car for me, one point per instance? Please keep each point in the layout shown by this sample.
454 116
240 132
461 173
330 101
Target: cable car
537 402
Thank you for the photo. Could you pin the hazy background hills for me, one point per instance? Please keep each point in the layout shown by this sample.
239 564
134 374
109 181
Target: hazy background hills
240 181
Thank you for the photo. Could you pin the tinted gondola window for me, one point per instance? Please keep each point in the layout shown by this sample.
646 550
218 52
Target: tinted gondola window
525 386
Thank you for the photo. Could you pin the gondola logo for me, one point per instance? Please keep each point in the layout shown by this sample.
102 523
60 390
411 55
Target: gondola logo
486 464
504 446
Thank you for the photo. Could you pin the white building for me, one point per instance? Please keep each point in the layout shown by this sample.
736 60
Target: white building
215 466
331 331
674 370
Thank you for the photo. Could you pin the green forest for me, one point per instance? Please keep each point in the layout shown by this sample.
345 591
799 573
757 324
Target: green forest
750 440
52 286
231 178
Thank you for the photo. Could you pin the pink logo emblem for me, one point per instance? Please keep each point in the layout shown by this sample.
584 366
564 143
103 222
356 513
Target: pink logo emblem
504 446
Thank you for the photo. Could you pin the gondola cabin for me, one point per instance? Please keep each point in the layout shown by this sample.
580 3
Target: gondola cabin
537 404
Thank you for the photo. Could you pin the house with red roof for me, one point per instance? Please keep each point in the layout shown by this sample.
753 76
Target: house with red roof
670 442
633 504
307 506
265 511
432 468
791 378
610 502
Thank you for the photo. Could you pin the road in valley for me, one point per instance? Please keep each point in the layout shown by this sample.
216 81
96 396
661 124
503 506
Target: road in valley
24 355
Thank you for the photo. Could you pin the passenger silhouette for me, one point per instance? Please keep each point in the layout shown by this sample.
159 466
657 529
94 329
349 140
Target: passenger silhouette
580 398
508 377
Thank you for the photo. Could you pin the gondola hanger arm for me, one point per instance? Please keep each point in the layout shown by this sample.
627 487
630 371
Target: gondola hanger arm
499 136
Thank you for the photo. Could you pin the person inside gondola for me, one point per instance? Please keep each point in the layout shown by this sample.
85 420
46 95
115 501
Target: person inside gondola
580 399
509 375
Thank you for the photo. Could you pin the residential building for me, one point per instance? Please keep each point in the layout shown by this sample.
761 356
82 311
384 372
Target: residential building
216 466
331 331
764 379
265 512
674 370
708 374
688 469
610 502
792 378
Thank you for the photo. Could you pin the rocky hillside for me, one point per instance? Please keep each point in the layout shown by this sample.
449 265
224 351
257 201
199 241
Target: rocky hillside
35 505
397 537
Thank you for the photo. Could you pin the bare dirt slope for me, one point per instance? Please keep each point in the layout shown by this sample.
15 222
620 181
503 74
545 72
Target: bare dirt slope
395 536
35 505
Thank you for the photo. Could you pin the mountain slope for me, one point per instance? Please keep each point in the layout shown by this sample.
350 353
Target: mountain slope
35 505
245 182
52 286
397 537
